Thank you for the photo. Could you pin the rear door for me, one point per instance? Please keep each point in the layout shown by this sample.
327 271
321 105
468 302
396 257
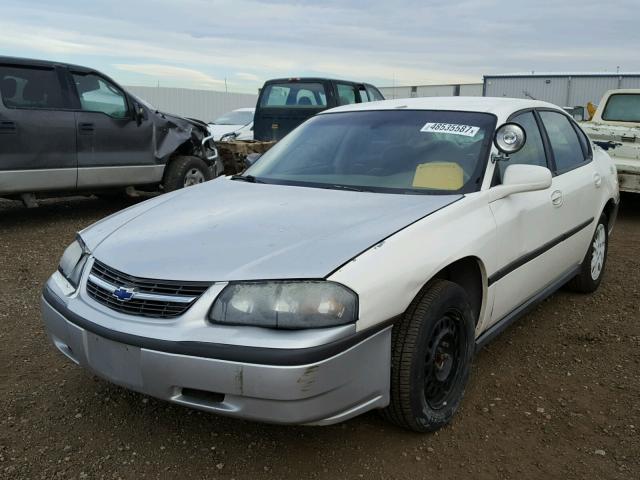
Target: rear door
37 131
576 182
284 105
113 149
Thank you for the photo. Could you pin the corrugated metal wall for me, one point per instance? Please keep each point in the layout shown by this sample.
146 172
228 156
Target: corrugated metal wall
565 91
206 105
469 90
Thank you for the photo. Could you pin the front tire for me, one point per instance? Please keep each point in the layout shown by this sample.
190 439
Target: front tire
592 268
432 349
185 172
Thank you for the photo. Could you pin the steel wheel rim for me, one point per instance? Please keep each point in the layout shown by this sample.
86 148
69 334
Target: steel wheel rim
193 177
598 251
443 361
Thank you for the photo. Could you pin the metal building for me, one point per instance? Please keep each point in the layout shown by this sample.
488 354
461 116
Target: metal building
562 89
205 105
456 89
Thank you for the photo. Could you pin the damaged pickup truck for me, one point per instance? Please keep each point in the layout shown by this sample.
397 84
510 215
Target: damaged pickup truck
70 129
615 127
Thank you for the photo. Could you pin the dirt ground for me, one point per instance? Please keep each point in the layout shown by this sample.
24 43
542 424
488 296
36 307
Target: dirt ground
556 396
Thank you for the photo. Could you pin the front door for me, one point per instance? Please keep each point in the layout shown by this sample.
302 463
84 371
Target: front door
113 149
37 131
529 223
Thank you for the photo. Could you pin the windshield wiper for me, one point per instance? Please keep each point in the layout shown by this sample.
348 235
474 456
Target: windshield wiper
246 178
347 187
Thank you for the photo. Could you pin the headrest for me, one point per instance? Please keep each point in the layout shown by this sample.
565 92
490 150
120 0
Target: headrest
8 86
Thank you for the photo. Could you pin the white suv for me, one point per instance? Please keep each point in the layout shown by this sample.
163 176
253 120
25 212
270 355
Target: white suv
359 264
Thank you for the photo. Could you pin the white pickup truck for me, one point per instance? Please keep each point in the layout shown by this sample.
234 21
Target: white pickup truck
615 126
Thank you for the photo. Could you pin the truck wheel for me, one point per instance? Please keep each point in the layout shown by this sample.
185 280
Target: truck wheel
592 268
185 172
431 352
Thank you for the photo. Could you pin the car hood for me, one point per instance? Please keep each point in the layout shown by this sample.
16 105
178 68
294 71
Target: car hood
219 130
232 230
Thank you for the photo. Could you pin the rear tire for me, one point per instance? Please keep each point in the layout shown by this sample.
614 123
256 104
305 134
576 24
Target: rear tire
431 353
185 171
592 268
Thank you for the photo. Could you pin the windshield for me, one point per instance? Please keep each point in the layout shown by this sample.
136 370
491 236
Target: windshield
385 151
622 107
237 117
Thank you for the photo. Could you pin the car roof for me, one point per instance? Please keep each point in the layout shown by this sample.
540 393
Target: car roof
311 79
30 62
245 109
500 106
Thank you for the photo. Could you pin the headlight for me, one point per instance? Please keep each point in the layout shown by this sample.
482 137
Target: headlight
72 262
285 304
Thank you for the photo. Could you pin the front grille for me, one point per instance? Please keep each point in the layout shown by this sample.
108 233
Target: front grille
151 298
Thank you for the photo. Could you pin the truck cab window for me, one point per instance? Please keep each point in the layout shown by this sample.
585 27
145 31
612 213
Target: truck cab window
28 87
98 95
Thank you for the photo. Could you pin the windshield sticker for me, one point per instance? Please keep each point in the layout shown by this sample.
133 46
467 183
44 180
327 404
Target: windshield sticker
451 128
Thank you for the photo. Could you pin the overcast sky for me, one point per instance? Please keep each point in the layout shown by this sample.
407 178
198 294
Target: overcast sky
199 44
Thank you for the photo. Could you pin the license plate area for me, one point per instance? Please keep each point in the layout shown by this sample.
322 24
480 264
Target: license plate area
118 362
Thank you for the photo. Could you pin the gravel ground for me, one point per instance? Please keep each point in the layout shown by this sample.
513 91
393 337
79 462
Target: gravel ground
556 396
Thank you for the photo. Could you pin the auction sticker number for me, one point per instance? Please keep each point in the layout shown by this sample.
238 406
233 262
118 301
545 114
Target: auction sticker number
452 128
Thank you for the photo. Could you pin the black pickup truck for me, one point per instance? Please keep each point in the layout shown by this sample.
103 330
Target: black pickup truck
285 103
66 128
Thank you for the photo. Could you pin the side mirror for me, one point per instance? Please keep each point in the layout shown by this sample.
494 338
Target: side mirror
521 178
138 113
509 138
250 159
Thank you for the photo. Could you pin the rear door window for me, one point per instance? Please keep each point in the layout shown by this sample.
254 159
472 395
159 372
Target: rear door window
99 95
346 93
27 87
622 107
294 95
567 150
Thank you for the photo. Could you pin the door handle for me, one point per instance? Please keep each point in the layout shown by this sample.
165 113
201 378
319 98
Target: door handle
556 198
8 127
87 128
597 179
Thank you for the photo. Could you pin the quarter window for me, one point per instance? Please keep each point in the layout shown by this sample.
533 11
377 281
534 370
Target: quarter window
98 95
346 94
364 96
566 147
25 87
533 151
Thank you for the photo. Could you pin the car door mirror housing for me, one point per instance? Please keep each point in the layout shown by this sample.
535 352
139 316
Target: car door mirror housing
509 138
522 178
138 113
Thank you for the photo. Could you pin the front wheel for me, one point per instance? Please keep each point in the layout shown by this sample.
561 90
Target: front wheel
185 172
592 268
432 348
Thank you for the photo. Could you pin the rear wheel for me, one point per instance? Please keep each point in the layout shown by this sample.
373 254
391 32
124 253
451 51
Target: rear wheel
432 349
185 172
592 268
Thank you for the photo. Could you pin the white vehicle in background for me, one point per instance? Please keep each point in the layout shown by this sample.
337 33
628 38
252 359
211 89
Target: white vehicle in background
615 127
234 125
367 256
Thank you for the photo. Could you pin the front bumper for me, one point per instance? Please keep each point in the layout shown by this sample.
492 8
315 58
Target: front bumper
324 391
